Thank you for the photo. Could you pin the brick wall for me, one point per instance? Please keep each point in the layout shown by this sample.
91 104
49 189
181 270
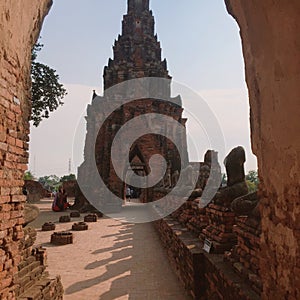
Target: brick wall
31 281
270 38
20 25
204 276
184 253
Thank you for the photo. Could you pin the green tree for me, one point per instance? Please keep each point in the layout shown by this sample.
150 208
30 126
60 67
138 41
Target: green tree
252 176
68 177
46 92
252 180
224 179
251 186
28 176
50 182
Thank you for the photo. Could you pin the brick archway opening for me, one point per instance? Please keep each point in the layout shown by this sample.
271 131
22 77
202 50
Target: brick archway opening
272 67
139 166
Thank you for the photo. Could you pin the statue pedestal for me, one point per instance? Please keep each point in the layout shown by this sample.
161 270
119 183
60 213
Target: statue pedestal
220 229
192 216
244 256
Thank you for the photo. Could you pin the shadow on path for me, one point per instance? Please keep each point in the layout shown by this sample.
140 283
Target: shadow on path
136 269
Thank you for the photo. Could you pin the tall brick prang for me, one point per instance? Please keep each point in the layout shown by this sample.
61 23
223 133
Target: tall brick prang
137 54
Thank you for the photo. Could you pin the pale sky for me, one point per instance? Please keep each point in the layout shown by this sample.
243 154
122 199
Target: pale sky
202 46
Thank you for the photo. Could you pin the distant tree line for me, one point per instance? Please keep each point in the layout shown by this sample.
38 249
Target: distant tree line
251 179
50 182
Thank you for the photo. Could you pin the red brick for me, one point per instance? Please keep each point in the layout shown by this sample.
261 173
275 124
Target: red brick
22 167
3 275
11 157
10 165
16 190
4 183
16 214
2 136
4 199
3 234
11 141
13 133
10 115
5 282
4 102
4 216
8 264
5 191
16 150
5 207
19 143
15 108
20 221
3 146
18 198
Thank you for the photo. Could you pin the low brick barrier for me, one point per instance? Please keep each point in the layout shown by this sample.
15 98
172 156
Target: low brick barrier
203 275
184 253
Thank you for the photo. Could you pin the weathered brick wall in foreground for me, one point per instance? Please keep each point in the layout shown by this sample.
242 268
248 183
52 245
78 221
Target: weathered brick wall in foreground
270 38
31 281
20 25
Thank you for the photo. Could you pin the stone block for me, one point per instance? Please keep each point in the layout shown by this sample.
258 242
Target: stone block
75 214
91 218
48 226
62 238
81 226
64 219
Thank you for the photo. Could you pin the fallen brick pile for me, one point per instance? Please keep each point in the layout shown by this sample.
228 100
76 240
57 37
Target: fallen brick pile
220 228
192 216
31 281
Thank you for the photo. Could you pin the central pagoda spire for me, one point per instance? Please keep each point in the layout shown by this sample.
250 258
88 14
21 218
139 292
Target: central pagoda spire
136 52
138 6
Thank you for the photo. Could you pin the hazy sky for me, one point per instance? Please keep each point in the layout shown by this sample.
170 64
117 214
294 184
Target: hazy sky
199 39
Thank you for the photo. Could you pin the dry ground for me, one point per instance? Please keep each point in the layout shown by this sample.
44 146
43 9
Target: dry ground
112 260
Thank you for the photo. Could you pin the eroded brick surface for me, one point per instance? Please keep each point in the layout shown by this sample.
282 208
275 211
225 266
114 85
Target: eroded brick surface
20 270
272 59
137 54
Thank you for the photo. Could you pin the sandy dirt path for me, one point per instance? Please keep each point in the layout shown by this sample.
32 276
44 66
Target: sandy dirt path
112 260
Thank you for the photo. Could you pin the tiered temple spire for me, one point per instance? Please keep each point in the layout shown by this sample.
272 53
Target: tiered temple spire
138 6
137 52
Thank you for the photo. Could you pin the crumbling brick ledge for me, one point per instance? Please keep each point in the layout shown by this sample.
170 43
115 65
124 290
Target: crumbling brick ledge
203 275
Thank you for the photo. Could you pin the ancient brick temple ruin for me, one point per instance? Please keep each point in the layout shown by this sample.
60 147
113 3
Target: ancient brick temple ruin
263 262
137 54
22 268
